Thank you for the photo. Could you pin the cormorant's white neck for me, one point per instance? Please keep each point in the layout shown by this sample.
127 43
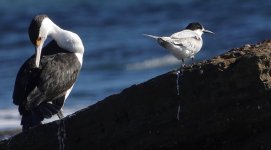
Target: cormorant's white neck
65 39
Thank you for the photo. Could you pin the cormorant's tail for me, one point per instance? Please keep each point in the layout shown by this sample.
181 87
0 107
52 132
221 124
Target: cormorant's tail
30 119
34 117
48 109
152 36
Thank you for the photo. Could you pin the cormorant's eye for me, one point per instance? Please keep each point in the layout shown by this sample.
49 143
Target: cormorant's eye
38 41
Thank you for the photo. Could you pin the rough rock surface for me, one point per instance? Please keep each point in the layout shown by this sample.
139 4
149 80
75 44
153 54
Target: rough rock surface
225 103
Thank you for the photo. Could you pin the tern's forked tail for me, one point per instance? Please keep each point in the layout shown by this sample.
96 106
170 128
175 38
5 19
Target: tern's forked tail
152 36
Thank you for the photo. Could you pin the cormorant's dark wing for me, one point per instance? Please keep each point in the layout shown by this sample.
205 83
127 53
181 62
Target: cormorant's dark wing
26 80
57 73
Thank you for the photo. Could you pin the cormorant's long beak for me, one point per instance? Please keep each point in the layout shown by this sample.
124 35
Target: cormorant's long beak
208 31
39 44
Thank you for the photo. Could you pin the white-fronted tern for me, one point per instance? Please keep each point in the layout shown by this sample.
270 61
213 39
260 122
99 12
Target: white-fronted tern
184 44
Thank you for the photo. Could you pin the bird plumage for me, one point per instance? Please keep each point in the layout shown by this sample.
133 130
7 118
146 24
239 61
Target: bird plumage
47 84
40 90
184 44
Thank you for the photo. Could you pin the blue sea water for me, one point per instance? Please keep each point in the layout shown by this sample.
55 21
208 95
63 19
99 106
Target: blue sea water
117 55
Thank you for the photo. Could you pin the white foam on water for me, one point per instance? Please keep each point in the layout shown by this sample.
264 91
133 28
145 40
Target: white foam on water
153 63
11 119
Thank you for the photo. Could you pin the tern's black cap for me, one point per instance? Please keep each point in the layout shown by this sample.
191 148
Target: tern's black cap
34 28
194 26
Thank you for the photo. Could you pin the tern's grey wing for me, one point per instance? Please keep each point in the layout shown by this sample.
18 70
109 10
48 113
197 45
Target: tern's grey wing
191 43
187 40
184 34
182 44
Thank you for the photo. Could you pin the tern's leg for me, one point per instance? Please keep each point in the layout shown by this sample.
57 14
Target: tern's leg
193 60
60 114
183 65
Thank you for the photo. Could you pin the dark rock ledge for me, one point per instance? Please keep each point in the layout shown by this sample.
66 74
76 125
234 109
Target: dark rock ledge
225 104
